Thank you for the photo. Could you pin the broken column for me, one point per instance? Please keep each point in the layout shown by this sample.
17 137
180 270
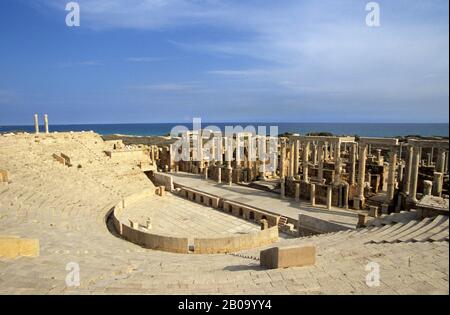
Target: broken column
427 187
437 184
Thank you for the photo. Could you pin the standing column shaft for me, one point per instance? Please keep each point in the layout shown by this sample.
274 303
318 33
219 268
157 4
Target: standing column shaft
305 162
296 157
282 160
407 176
391 176
337 162
359 200
353 164
440 161
36 124
321 158
46 123
414 175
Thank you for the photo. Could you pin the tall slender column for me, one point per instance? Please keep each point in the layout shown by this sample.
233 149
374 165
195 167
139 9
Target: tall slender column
391 175
337 162
321 158
437 184
305 161
407 176
313 195
291 160
353 152
296 156
282 160
36 124
414 175
359 199
440 161
46 123
314 154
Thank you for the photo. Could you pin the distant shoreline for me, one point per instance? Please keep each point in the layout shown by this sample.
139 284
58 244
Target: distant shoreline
351 129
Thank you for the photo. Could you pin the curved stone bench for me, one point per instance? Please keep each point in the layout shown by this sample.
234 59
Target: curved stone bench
237 243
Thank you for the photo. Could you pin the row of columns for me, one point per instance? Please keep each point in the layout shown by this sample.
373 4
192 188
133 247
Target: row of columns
36 124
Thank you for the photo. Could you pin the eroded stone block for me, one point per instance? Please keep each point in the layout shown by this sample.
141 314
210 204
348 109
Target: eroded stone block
285 257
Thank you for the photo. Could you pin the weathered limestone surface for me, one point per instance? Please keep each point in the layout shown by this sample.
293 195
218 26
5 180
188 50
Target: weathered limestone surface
285 257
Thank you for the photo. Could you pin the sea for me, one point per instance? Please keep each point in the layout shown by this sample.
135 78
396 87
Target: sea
339 129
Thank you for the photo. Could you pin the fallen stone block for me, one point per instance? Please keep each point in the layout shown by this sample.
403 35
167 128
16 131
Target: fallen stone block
285 257
12 247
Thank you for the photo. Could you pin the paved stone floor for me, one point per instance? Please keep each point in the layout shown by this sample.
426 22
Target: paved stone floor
267 201
175 216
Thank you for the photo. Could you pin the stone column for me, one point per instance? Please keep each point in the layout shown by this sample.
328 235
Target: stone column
379 157
291 160
283 160
46 123
391 176
325 149
400 170
296 156
437 184
414 175
205 172
297 192
321 158
219 174
359 199
346 195
283 188
171 157
36 124
440 161
314 154
337 162
407 176
329 197
313 195
428 159
353 152
305 162
237 162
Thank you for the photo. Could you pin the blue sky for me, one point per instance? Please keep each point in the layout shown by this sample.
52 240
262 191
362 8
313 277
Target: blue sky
224 61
